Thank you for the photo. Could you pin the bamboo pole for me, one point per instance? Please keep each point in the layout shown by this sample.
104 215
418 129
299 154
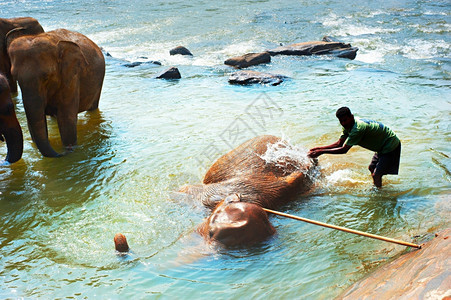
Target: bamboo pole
374 236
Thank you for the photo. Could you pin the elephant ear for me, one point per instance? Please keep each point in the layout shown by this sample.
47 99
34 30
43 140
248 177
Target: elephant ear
71 60
12 35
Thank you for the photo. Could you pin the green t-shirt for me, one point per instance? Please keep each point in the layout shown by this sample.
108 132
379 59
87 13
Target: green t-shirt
371 135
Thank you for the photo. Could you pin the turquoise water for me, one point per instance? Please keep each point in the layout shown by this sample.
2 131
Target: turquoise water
149 137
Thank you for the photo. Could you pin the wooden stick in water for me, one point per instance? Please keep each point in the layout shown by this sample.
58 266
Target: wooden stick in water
374 236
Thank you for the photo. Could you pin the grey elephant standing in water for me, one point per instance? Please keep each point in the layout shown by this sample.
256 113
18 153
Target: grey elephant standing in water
60 73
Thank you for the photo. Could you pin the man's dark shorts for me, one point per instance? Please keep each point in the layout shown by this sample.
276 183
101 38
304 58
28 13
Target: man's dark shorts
387 163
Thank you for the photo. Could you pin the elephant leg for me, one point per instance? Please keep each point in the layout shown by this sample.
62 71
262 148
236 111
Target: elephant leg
67 124
12 84
37 123
67 112
95 104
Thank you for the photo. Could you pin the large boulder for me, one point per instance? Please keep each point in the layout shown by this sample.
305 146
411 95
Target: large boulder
249 59
420 274
253 77
326 46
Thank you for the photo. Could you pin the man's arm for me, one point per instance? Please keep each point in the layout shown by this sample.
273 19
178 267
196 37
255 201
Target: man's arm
337 144
335 148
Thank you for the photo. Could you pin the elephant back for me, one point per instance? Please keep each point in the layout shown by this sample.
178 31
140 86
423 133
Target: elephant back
245 160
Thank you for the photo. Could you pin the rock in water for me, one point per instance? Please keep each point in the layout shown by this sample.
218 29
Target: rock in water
253 77
180 50
171 73
249 59
326 46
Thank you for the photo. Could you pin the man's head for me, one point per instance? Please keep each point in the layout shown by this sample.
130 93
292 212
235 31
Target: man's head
345 117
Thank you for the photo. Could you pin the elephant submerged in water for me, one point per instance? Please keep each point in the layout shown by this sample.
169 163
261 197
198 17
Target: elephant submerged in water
10 130
242 182
60 73
260 173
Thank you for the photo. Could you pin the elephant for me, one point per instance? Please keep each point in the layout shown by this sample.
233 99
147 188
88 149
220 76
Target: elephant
236 223
10 130
243 171
240 184
60 73
23 26
243 182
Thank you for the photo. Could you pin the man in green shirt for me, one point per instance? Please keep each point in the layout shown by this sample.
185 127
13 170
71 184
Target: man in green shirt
368 134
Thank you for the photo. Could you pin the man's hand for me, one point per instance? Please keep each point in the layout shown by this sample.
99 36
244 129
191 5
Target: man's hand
314 153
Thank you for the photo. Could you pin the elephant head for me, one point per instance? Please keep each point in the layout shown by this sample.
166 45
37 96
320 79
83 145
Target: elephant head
10 130
60 73
235 223
21 26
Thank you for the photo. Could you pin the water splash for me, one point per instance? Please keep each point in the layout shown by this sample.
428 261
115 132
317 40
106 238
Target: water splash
288 157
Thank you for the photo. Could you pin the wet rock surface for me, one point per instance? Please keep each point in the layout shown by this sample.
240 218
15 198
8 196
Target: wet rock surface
139 63
180 50
254 77
171 73
420 274
326 46
249 59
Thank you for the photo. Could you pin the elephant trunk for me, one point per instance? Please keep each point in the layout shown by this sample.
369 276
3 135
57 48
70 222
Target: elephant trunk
40 137
14 142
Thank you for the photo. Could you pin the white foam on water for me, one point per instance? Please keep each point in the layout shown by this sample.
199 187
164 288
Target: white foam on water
345 26
370 57
240 48
435 13
355 30
442 28
342 176
159 51
376 13
423 49
374 50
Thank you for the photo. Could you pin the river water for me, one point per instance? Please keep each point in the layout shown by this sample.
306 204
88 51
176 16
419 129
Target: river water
149 137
